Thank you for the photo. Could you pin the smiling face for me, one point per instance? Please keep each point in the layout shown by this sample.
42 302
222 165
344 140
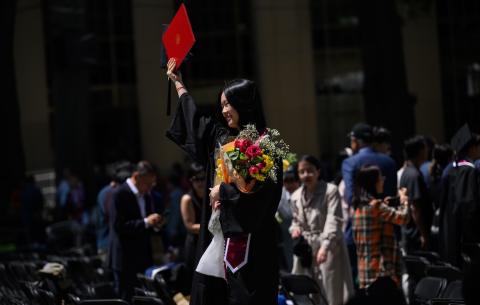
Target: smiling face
229 113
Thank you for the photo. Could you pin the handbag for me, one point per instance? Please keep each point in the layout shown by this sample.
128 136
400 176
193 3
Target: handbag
303 250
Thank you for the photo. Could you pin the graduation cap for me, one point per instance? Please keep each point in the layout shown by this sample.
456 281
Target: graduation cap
177 40
462 139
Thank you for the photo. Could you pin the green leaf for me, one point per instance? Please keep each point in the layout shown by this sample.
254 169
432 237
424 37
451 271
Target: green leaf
233 155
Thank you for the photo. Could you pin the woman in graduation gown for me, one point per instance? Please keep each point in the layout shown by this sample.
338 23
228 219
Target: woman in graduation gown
253 279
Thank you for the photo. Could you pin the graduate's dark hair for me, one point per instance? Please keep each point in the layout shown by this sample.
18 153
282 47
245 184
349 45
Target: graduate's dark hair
365 185
243 95
312 160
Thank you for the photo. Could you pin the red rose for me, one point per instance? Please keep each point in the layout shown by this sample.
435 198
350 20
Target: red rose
242 144
253 170
261 165
253 151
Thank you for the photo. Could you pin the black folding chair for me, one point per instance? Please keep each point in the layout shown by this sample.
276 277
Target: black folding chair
294 285
139 300
432 257
103 302
448 272
429 288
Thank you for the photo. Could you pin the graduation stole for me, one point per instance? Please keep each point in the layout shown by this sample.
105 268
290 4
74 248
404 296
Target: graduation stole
463 163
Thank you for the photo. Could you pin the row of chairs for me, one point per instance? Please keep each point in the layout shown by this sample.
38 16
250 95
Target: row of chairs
431 280
436 291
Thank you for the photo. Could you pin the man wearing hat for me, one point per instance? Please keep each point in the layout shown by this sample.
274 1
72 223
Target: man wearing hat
361 138
460 203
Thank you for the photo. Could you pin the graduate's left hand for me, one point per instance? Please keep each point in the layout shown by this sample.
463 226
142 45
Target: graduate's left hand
215 196
321 256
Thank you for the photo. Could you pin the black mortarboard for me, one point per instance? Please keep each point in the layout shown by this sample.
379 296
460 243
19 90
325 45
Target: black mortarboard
462 139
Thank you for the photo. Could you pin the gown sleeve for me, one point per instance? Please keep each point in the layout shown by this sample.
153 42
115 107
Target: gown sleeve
192 131
245 212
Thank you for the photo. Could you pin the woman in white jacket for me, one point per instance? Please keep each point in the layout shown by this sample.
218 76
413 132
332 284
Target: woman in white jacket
317 216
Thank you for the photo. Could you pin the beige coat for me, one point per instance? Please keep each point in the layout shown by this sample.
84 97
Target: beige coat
320 221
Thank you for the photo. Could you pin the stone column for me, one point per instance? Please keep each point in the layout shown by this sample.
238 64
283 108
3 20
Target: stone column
420 44
31 75
284 60
148 17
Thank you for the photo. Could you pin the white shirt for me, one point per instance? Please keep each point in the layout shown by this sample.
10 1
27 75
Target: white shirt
140 200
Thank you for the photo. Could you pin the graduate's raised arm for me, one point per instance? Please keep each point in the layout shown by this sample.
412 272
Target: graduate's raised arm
175 77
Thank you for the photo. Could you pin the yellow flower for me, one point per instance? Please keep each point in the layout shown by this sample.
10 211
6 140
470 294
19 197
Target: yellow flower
259 177
219 169
268 163
286 164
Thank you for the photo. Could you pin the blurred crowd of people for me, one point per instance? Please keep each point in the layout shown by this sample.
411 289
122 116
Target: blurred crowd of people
348 231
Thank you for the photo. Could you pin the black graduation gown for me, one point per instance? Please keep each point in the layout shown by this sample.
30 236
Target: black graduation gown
198 136
257 281
459 212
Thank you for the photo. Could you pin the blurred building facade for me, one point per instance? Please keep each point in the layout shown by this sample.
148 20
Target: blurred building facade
90 89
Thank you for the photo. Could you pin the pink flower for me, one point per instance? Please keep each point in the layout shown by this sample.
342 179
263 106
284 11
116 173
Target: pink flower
253 170
253 151
242 144
261 165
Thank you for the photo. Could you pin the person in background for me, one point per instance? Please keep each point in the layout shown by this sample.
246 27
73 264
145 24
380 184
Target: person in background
382 138
284 216
121 171
32 201
442 156
425 166
317 217
416 234
174 229
379 257
191 208
132 221
460 201
361 138
71 197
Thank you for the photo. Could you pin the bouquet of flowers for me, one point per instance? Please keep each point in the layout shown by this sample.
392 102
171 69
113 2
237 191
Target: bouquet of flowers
250 158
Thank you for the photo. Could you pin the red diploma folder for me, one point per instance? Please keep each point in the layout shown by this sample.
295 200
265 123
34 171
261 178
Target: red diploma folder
178 39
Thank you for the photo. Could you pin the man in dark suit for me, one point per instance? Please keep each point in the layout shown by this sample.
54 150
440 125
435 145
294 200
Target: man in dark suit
132 220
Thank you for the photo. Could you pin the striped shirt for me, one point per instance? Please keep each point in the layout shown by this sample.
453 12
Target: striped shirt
377 248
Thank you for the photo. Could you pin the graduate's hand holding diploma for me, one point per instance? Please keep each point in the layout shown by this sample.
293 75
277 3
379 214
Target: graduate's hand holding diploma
175 77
